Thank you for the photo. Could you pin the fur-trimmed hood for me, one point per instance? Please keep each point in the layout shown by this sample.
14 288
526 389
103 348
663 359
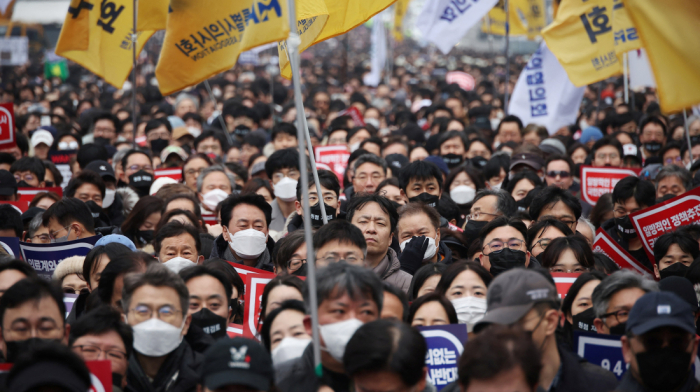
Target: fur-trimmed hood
129 199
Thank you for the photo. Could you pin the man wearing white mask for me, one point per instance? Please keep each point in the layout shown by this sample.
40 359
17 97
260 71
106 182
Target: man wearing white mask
244 240
348 296
178 245
282 168
155 305
213 186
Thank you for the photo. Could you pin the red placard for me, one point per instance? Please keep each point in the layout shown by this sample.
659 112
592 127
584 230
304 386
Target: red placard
255 285
243 271
234 330
355 114
22 206
652 222
174 173
210 219
7 126
563 281
604 244
27 194
335 157
465 81
100 374
597 181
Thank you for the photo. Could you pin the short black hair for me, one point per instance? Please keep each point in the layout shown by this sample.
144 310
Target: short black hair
63 359
433 297
287 158
451 135
32 165
358 202
10 218
510 118
341 231
108 276
85 177
684 241
89 153
542 225
502 221
105 115
643 192
218 135
7 158
225 267
157 123
131 152
422 275
227 206
31 289
68 210
174 229
608 141
283 127
559 157
112 250
551 195
328 180
421 171
195 203
652 120
200 270
99 321
20 266
398 293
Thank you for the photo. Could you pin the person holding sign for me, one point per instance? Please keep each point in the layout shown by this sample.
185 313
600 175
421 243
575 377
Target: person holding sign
615 296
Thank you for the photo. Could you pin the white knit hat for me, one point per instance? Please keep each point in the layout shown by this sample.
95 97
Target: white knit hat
70 265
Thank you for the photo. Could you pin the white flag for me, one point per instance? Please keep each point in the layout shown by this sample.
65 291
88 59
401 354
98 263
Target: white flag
641 74
445 22
378 59
544 94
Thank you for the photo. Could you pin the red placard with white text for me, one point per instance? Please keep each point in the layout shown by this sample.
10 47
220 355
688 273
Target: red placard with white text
100 374
604 244
597 181
335 157
174 173
22 206
652 222
7 126
210 219
355 114
563 281
243 271
27 194
234 330
255 285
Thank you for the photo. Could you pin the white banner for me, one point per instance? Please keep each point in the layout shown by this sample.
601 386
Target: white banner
641 74
445 22
14 50
544 94
379 44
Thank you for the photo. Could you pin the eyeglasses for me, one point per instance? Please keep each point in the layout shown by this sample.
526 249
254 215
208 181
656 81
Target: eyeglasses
92 353
543 243
560 173
336 141
139 167
376 177
602 156
194 172
53 233
672 160
350 259
42 238
295 264
476 215
104 131
26 177
575 270
620 315
496 246
165 313
70 290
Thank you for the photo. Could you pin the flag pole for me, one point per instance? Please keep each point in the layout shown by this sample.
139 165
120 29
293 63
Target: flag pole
293 43
221 116
625 75
687 136
505 103
134 38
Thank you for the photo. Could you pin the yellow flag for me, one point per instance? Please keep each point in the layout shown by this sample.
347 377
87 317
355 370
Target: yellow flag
106 26
312 16
581 37
626 37
153 15
495 21
205 37
669 30
400 8
534 16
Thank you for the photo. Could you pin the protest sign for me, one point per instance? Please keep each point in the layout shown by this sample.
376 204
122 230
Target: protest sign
604 244
445 345
27 194
234 330
462 79
100 374
7 126
352 111
21 206
11 246
14 51
175 174
62 161
210 219
653 222
335 156
597 181
602 350
563 281
45 257
69 301
255 285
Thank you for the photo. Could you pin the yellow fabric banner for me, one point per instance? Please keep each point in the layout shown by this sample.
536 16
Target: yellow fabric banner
535 17
107 26
153 15
312 16
495 21
669 30
626 37
205 37
581 37
400 8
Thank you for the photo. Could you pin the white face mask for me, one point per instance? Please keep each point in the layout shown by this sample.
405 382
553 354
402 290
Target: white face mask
156 338
212 198
497 186
430 252
337 335
462 194
288 349
373 122
495 122
109 198
470 310
176 264
286 189
249 243
354 146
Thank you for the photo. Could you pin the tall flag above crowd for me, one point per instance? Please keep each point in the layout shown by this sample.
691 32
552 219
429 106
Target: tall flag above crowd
312 16
445 22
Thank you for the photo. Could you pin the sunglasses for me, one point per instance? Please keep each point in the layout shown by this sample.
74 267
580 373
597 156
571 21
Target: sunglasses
68 290
554 173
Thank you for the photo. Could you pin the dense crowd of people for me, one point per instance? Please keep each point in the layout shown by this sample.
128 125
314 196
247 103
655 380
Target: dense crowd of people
448 211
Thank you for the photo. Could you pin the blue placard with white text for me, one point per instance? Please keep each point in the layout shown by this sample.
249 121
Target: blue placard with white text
602 350
45 257
445 345
11 246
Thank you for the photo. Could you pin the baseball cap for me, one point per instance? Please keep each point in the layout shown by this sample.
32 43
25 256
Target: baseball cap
48 373
681 287
237 361
158 183
513 293
532 160
631 151
180 132
42 136
660 309
119 239
396 162
650 171
102 168
439 162
553 146
173 150
590 134
8 184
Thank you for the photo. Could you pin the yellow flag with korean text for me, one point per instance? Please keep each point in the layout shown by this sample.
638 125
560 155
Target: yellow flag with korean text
312 16
669 30
205 37
625 34
495 21
153 15
581 38
400 8
535 17
106 26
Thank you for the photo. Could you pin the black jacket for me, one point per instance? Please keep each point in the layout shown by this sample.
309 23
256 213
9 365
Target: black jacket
640 255
630 384
299 376
578 375
179 373
220 249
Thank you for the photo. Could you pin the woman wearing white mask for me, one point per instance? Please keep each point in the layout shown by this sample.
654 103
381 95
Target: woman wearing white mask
463 182
284 334
432 309
465 283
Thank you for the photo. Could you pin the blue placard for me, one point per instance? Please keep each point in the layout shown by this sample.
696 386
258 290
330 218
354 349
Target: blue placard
602 350
45 257
11 246
445 345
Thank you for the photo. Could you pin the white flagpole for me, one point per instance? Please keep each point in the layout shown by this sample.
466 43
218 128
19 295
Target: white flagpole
626 72
687 135
505 103
134 39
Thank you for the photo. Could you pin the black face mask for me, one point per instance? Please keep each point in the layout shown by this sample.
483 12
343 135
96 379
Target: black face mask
17 347
146 236
212 324
241 131
664 369
426 198
584 321
472 229
101 141
158 145
452 160
117 380
23 184
619 329
141 182
479 162
652 146
694 140
121 184
317 218
625 227
48 184
505 260
675 269
301 271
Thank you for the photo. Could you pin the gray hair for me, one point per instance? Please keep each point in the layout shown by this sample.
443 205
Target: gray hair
185 96
619 280
675 171
505 204
156 275
34 225
342 278
369 158
588 223
117 158
212 169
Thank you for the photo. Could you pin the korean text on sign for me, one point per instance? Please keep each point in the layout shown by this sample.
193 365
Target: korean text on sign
535 82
